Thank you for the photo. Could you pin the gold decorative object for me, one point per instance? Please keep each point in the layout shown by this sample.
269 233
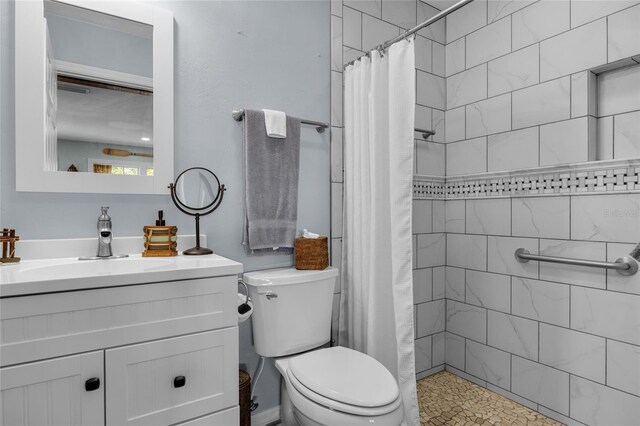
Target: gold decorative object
160 241
8 240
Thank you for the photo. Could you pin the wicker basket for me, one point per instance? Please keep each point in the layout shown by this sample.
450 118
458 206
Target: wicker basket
312 253
245 398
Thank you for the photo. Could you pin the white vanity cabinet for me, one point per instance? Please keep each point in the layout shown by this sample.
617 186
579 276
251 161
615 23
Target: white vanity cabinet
171 380
161 353
53 392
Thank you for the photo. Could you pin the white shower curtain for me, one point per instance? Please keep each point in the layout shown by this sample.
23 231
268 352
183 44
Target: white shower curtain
376 309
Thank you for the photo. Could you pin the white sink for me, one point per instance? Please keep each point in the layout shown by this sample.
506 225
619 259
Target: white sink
69 268
51 275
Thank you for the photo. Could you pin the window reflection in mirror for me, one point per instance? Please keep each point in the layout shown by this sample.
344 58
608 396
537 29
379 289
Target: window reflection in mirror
102 99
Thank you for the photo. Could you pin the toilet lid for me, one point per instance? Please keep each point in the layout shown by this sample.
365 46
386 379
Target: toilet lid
346 376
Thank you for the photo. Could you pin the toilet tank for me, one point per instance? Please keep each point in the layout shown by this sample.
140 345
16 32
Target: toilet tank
291 309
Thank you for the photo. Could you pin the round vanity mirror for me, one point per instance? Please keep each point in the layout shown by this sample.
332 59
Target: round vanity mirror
197 192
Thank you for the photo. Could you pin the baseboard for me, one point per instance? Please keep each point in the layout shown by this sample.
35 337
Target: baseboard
266 417
430 372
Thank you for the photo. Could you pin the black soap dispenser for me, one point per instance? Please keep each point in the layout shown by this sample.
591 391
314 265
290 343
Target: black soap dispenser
160 221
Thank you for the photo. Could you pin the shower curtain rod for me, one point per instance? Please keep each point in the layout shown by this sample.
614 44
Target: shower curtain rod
425 133
417 28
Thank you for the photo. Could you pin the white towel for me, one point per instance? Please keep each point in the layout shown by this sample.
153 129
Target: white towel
275 122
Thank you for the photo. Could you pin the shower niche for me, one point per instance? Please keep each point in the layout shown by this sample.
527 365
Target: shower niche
613 110
617 101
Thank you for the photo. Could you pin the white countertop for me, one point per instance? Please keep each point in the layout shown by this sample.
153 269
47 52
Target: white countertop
67 274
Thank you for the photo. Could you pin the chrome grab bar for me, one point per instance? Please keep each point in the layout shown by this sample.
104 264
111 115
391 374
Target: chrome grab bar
624 265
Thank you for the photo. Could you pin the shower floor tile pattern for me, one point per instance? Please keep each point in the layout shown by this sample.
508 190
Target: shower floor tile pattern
446 399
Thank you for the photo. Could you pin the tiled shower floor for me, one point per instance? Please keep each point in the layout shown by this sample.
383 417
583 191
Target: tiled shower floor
446 399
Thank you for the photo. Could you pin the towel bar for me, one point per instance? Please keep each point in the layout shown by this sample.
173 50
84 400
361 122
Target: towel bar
238 115
624 265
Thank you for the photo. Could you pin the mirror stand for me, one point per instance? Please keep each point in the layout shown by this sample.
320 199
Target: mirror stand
204 178
197 250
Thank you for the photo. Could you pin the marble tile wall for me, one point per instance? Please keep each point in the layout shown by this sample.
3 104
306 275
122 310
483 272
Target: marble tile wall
520 73
520 95
565 340
429 254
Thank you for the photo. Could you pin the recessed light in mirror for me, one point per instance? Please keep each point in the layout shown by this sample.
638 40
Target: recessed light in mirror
145 139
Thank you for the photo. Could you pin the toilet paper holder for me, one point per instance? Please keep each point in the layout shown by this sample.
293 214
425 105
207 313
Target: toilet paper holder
244 307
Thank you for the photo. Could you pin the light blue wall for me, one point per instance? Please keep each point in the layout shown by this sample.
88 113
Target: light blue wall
228 54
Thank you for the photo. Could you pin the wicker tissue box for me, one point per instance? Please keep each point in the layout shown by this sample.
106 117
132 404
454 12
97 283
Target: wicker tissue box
312 253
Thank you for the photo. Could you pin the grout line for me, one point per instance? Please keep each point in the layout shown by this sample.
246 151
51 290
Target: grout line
511 373
631 111
613 136
606 34
538 326
606 361
532 320
511 295
487 254
464 289
362 29
464 345
539 263
530 360
570 304
570 28
540 63
486 326
539 127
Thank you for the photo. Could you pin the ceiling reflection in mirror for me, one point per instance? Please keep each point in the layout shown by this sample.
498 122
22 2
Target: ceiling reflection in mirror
197 188
103 114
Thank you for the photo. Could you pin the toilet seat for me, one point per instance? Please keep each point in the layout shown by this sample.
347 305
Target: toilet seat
344 380
309 412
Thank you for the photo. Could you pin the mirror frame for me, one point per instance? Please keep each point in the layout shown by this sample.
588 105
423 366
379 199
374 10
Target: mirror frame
30 86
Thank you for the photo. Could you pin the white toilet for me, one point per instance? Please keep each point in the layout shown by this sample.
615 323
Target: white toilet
330 386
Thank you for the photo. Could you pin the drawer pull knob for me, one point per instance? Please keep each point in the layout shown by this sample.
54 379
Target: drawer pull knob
92 384
179 381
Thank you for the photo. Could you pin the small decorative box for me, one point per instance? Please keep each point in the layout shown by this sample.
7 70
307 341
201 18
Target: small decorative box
160 241
312 253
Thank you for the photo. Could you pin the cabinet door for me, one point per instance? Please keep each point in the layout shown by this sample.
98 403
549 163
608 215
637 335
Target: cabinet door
172 380
53 392
228 417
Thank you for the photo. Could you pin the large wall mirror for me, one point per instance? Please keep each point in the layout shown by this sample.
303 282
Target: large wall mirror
94 97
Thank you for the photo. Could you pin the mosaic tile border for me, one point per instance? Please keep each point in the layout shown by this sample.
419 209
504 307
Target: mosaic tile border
587 178
429 187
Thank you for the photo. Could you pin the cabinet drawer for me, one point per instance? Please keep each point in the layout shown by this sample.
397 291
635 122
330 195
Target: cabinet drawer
142 378
53 392
228 417
50 325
